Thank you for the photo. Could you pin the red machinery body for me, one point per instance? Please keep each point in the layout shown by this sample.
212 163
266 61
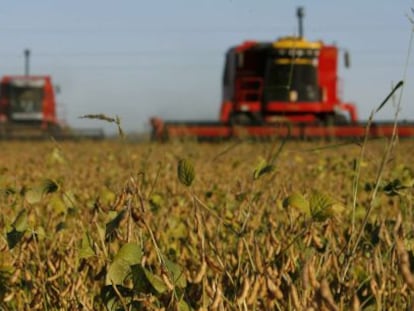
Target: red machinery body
28 100
285 88
276 89
288 80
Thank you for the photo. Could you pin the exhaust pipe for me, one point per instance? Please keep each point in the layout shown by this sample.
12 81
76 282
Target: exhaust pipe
300 13
26 62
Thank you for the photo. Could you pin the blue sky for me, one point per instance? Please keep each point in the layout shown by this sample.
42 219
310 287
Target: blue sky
137 59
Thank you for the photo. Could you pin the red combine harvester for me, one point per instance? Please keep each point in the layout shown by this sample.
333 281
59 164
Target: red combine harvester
286 88
28 100
28 110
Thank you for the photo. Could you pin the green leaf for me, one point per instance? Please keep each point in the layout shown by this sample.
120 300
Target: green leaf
394 187
139 279
177 229
49 186
185 172
183 306
146 282
61 226
297 201
20 223
57 204
107 196
19 227
86 249
130 254
117 272
14 237
33 195
8 191
69 199
101 232
40 233
156 201
323 207
177 274
156 282
262 168
111 300
56 157
114 224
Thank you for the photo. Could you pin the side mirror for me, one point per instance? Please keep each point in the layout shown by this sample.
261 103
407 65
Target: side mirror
347 59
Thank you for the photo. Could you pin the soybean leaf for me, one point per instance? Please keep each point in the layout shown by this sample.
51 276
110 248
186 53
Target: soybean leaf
394 187
49 186
130 254
185 172
156 282
183 306
297 201
56 157
86 249
14 237
19 227
141 284
114 224
33 195
177 274
322 206
20 223
262 168
57 204
117 272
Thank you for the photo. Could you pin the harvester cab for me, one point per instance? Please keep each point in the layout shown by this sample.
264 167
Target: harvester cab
290 79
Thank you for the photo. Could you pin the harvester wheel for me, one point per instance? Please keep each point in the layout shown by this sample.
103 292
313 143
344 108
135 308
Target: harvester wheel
245 119
240 119
336 119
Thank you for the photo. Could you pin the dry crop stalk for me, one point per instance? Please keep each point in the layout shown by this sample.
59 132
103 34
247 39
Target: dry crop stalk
312 277
216 267
198 277
377 293
356 305
240 247
317 241
217 298
257 284
244 291
167 280
258 259
273 289
305 276
404 263
295 298
326 294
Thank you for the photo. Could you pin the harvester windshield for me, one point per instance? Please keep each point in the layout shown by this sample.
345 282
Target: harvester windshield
25 102
292 71
289 83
